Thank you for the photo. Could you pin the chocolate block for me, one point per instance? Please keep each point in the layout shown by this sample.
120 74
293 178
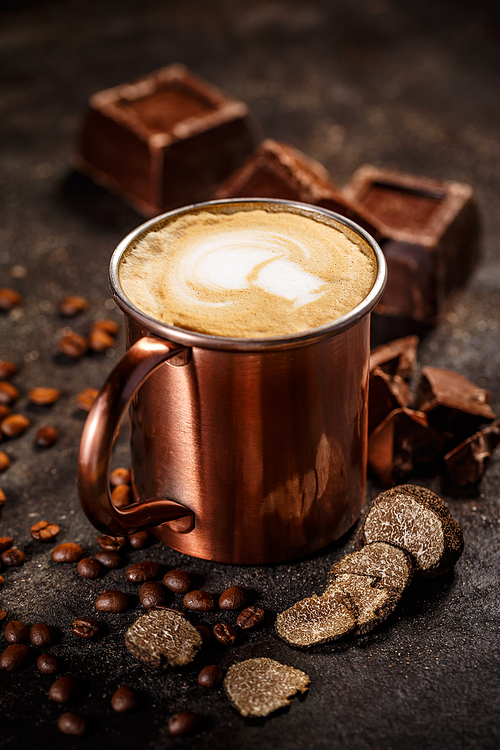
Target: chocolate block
385 393
398 357
164 140
429 233
467 462
277 170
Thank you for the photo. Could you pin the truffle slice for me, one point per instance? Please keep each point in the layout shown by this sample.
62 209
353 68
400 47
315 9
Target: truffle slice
317 619
257 687
398 357
163 638
372 602
388 565
467 462
418 521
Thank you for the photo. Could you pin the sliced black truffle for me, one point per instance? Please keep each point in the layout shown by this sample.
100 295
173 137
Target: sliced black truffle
163 638
372 602
388 565
317 619
257 687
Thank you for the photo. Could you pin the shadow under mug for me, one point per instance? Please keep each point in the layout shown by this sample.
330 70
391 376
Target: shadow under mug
243 450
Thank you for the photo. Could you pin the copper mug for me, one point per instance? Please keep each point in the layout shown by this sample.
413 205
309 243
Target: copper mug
243 450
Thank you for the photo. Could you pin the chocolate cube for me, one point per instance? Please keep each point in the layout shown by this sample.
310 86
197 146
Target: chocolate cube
164 140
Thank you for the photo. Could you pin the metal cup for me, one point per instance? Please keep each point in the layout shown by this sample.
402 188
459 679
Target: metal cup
243 450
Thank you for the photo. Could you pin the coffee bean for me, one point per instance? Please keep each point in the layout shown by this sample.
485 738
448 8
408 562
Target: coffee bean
100 340
44 531
41 634
106 325
251 617
198 600
124 699
73 345
185 722
225 633
151 594
6 542
68 552
65 689
86 398
70 723
47 664
16 632
139 540
89 568
121 496
3 614
210 676
4 461
71 306
14 657
45 437
4 410
44 396
2 495
111 543
85 627
110 560
8 393
177 581
2 581
7 369
112 601
233 598
144 571
13 557
9 298
119 476
14 425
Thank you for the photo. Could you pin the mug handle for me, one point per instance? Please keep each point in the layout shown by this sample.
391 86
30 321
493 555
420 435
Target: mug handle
98 436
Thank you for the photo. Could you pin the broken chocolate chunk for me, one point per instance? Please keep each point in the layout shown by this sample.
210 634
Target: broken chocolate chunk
257 687
385 393
398 357
163 638
467 462
373 603
317 619
388 565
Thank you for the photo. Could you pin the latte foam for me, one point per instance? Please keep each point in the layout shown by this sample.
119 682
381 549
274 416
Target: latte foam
247 273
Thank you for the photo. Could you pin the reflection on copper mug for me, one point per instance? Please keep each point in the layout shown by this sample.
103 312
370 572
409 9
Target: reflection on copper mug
243 450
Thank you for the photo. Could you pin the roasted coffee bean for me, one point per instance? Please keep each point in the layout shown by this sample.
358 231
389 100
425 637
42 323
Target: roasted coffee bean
71 306
6 542
124 699
111 543
119 476
4 461
13 557
100 340
139 540
65 689
47 664
121 496
7 369
86 398
112 601
70 723
106 325
2 581
85 627
198 600
9 298
73 345
177 581
8 393
44 531
14 657
44 396
16 632
3 614
14 425
210 676
89 568
144 571
185 722
2 498
205 633
45 437
233 598
109 560
251 617
41 634
225 633
4 410
68 552
151 594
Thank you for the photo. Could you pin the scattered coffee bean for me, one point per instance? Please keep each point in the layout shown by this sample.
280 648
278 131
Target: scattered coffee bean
210 676
16 632
109 560
225 633
45 437
71 306
2 498
2 581
9 299
6 542
143 571
4 461
185 722
44 396
4 410
7 369
111 543
119 476
112 601
85 627
106 325
89 568
14 425
68 552
234 597
65 689
86 398
100 340
8 393
44 531
198 600
177 581
251 617
70 723
73 345
14 657
124 699
13 557
3 614
47 664
139 540
42 634
121 496
151 594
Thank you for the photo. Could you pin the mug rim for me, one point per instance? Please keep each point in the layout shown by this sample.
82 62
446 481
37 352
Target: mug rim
189 338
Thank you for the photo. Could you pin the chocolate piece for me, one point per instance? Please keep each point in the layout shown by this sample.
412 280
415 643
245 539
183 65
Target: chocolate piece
162 638
398 357
400 443
385 393
388 565
317 619
257 687
372 602
418 521
467 462
164 140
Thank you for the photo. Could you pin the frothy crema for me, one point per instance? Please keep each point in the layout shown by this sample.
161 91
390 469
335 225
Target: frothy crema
247 273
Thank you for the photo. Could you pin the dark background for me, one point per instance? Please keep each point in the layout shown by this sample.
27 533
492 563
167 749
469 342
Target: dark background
405 85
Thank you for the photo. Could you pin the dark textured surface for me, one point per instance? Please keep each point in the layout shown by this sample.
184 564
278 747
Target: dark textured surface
409 85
